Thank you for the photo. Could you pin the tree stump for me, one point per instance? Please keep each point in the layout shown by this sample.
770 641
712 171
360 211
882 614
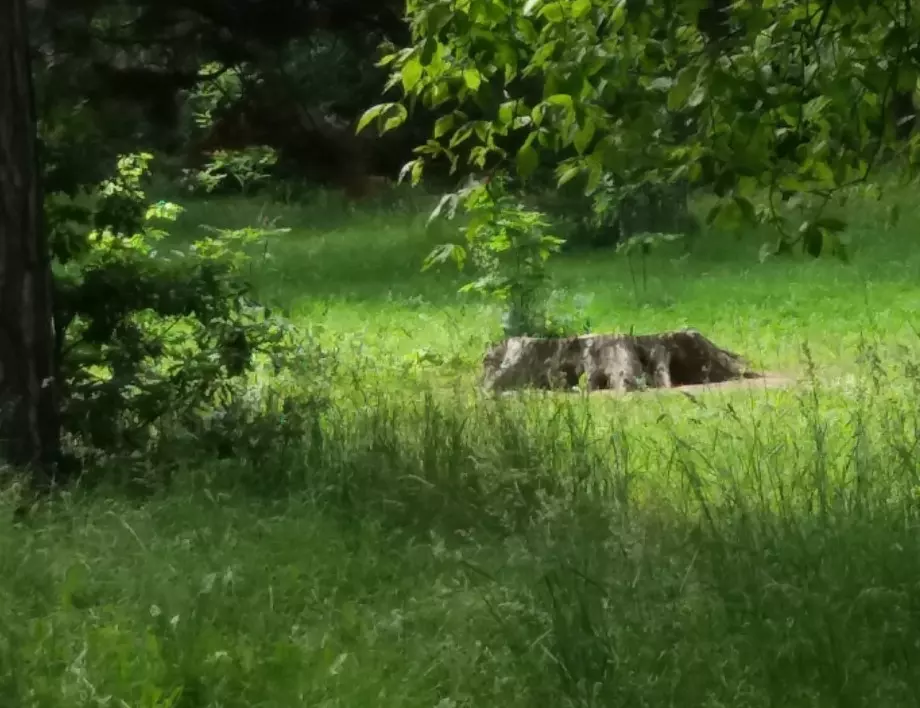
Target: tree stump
617 362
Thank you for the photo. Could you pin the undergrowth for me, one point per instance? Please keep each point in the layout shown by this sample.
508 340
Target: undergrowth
758 550
361 529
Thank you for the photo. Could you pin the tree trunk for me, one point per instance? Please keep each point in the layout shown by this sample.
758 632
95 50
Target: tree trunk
617 362
29 426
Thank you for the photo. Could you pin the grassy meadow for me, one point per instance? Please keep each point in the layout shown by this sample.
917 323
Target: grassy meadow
411 543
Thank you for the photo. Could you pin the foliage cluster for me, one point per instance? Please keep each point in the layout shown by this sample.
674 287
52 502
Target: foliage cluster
244 169
774 107
789 100
152 337
508 245
142 74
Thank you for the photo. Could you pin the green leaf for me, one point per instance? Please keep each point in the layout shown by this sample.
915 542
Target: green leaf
410 74
530 6
461 135
537 113
584 136
541 56
387 60
449 200
472 78
414 169
406 169
554 12
662 83
417 170
697 95
397 115
580 8
618 16
561 99
431 147
822 172
443 124
815 107
526 29
506 112
595 172
527 160
568 174
439 14
443 253
682 88
370 114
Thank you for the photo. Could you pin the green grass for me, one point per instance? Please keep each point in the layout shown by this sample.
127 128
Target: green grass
359 277
416 545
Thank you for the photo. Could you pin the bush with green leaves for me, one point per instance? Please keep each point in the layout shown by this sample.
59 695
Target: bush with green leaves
244 169
152 339
508 245
218 88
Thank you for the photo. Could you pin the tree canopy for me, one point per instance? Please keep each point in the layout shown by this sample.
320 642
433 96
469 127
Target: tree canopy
797 99
122 68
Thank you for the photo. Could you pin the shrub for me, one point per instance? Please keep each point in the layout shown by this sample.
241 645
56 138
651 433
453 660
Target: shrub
147 336
245 169
508 244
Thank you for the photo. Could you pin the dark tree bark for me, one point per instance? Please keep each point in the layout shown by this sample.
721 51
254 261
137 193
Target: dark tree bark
29 427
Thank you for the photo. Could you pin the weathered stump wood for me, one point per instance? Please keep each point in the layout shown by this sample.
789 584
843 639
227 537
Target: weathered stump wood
617 362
